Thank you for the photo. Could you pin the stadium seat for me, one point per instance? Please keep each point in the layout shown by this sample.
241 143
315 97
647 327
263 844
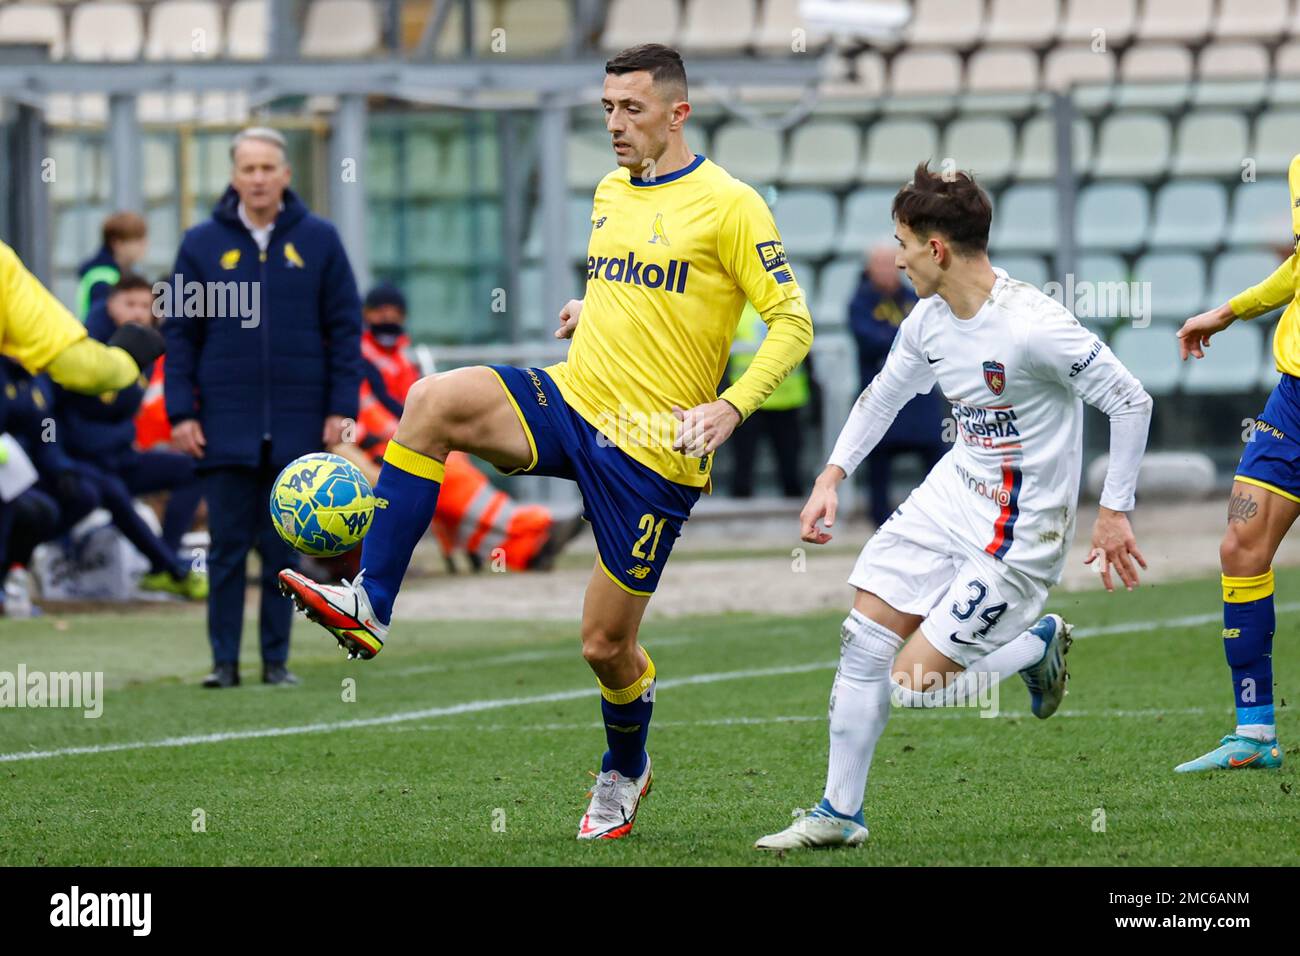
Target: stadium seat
948 23
1276 142
1232 363
823 153
212 155
1154 75
986 146
749 153
533 318
450 44
1001 80
1081 69
590 158
1210 144
176 106
1251 19
1030 23
106 30
1037 156
164 235
1231 74
805 273
382 234
934 73
535 28
80 170
1176 282
808 220
717 26
382 165
75 233
1031 269
1237 271
1285 86
1134 145
33 23
895 146
630 22
1094 270
836 285
184 30
1261 214
1101 267
1025 219
866 220
339 29
777 24
246 30
1186 21
1150 354
1112 216
1116 19
1190 214
158 175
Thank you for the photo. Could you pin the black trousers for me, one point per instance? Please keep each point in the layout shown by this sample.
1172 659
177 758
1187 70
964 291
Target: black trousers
784 432
880 463
239 519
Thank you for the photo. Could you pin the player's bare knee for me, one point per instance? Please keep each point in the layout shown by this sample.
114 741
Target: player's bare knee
601 648
424 426
1241 553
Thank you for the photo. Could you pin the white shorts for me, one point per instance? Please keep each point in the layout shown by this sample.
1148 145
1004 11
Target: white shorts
972 602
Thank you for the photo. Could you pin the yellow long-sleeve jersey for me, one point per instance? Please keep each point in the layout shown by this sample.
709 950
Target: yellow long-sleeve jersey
670 263
1280 289
34 326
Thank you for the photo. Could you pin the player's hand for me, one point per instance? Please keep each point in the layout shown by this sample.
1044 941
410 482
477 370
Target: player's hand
1194 336
332 433
569 319
1114 545
704 427
188 437
821 506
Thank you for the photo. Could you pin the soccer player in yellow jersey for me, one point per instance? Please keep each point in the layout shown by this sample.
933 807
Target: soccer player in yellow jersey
1265 502
633 416
38 333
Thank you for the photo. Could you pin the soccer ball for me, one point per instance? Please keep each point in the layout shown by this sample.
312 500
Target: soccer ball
322 505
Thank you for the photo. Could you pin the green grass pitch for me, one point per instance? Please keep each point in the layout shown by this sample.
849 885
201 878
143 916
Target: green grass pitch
470 743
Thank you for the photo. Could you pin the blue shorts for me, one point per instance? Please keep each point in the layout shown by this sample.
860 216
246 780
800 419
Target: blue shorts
635 513
1272 456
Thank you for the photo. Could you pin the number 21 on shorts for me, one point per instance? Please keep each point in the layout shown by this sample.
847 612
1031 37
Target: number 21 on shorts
650 528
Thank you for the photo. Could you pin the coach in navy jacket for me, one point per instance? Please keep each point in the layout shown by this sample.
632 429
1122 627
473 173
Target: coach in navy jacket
263 365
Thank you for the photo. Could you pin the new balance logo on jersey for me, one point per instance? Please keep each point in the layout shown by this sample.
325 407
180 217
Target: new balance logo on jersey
632 270
639 572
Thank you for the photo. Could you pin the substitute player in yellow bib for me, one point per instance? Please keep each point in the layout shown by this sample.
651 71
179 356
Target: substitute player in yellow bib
633 416
38 333
1264 504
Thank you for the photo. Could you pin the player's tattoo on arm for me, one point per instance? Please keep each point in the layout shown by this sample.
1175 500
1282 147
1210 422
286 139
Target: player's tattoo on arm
1242 508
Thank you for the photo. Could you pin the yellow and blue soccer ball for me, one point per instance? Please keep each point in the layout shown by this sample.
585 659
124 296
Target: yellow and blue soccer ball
322 505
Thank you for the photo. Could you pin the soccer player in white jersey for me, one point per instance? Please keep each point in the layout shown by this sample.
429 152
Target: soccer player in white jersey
969 556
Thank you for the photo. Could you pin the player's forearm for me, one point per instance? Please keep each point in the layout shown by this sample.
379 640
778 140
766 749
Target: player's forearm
90 367
870 418
789 336
1129 423
1273 293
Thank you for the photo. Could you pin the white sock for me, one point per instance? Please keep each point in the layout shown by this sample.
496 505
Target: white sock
1264 733
859 708
995 667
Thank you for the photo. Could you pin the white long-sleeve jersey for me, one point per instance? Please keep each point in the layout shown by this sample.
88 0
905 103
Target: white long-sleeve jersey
1016 373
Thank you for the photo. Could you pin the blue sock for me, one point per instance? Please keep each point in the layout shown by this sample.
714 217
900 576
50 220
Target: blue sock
626 716
405 498
825 806
1248 624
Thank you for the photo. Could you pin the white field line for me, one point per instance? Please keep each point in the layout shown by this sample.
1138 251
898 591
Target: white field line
475 706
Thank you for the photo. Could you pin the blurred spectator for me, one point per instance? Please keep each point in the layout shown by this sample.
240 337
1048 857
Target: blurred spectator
249 392
98 433
877 308
472 517
126 239
778 420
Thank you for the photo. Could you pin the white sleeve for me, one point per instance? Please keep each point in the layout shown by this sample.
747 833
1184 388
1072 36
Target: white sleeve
1070 354
905 375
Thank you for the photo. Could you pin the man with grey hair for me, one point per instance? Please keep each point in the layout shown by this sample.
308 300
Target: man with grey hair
264 365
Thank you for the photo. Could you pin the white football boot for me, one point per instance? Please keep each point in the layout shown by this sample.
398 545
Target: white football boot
812 828
342 609
1047 678
614 802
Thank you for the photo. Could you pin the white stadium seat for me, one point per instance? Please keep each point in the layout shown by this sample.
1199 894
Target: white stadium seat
338 29
1231 74
749 153
1187 21
986 146
106 31
1025 219
1032 23
1176 282
777 24
925 73
950 23
184 30
33 23
866 220
895 146
1232 365
808 220
246 30
1115 19
1277 140
1253 19
823 153
535 28
717 26
1190 214
1261 214
1154 74
1133 145
1150 356
1210 144
630 22
1036 158
1112 216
